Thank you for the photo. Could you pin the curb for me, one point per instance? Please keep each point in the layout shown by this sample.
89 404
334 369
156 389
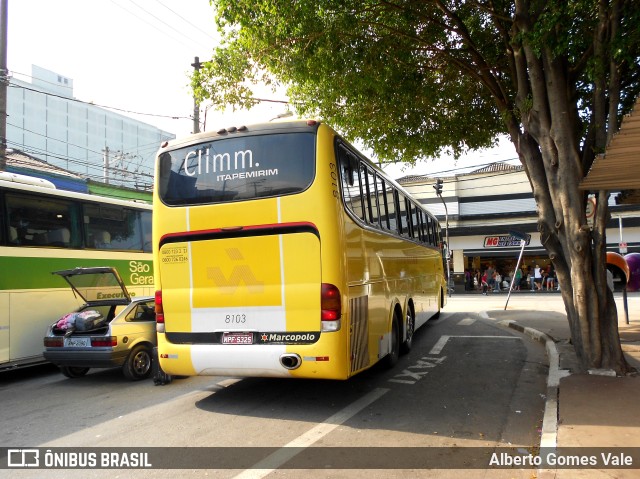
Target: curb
549 436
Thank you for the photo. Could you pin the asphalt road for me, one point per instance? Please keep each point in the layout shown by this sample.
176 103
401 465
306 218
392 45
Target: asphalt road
467 384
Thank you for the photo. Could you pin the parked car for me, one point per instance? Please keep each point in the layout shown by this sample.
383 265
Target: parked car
110 330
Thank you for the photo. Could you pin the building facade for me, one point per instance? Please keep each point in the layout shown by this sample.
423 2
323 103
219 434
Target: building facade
45 120
490 209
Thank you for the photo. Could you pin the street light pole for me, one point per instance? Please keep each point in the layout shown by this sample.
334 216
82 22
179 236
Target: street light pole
438 188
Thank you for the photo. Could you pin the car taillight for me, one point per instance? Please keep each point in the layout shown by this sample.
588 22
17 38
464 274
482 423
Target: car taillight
53 342
159 313
331 307
108 341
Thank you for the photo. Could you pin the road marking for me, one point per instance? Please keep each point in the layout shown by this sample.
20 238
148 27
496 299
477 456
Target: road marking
437 348
225 383
288 451
423 363
467 322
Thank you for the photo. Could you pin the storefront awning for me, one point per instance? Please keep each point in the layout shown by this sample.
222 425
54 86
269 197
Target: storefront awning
618 169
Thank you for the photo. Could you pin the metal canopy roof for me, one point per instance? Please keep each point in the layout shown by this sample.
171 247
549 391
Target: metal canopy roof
618 169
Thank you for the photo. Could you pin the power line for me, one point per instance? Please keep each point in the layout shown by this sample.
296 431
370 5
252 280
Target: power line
69 144
173 117
434 174
138 177
145 20
185 20
77 161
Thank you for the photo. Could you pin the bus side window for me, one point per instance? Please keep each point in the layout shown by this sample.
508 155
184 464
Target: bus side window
351 188
420 220
415 220
391 209
371 196
430 237
382 201
145 218
402 213
41 222
438 234
122 225
424 232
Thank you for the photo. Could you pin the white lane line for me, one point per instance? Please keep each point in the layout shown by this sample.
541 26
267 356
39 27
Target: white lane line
467 322
439 346
225 383
284 454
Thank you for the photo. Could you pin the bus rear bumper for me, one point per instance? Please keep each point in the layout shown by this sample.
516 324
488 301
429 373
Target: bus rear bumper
319 360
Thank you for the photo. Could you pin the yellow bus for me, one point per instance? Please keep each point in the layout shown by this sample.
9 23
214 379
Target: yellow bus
281 251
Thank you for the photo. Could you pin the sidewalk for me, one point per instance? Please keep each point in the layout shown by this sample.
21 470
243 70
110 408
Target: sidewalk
592 410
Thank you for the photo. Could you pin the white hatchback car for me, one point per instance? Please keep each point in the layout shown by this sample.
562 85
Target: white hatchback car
110 330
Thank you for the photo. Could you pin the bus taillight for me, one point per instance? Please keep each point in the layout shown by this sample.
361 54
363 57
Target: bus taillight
159 312
331 307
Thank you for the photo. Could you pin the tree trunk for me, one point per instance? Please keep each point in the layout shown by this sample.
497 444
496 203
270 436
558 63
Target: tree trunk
579 258
546 137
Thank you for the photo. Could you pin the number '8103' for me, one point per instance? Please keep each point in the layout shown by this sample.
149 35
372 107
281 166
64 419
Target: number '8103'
235 318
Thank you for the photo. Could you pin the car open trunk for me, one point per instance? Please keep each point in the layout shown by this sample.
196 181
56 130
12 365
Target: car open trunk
100 284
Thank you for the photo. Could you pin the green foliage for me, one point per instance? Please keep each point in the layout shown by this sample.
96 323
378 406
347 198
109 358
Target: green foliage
409 78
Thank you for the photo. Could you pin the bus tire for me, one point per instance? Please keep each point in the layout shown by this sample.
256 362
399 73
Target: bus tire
440 304
73 372
406 345
391 359
137 366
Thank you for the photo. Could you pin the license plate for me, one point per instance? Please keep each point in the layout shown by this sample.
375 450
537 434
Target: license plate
77 342
237 338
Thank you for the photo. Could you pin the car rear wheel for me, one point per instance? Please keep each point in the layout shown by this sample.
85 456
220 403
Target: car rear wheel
73 372
138 363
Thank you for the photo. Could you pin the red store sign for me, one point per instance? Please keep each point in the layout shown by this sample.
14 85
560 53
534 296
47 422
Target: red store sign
504 241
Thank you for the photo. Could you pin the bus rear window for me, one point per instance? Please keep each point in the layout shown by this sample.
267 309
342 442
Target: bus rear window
237 168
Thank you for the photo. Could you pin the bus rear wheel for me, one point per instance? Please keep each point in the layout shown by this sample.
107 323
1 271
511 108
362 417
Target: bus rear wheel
406 345
391 359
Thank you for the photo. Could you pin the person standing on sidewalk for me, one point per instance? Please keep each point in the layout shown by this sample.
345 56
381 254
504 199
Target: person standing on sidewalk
551 279
516 278
531 279
483 283
537 277
490 276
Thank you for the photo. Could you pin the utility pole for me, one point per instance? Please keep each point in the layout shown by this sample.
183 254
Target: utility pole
4 80
196 106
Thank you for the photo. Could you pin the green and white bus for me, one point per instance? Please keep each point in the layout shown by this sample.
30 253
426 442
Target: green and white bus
44 229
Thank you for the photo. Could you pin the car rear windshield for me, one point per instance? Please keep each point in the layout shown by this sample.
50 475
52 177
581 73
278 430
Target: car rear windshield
238 168
97 287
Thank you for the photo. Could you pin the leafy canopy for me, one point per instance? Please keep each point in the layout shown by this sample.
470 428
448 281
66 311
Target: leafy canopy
410 78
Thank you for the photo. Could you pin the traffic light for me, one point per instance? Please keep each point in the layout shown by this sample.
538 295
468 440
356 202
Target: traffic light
438 186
